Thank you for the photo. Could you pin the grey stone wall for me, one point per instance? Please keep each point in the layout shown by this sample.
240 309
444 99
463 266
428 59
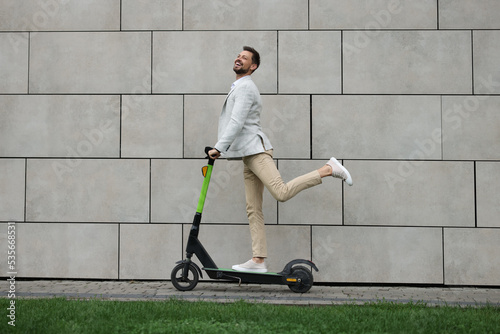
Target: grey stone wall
106 106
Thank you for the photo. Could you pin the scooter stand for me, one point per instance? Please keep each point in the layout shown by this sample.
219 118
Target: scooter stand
236 278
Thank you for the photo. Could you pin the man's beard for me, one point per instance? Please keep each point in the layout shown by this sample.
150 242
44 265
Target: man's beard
241 70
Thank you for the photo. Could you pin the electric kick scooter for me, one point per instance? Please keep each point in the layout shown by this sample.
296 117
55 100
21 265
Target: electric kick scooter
186 273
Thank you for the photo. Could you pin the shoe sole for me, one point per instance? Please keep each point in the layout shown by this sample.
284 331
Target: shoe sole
237 268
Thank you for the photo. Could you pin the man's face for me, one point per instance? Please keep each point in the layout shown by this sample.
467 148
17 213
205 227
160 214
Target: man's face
243 63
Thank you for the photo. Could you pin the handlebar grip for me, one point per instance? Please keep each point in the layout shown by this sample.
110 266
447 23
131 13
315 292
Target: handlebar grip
210 160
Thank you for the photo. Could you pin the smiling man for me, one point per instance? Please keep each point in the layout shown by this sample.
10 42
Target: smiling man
245 63
240 136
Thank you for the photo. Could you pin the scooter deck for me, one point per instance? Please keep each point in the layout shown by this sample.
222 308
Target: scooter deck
246 276
240 271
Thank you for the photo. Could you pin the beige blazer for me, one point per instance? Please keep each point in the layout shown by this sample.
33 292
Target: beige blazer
240 132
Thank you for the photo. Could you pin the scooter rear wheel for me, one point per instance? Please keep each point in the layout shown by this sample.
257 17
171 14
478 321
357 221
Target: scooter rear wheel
184 283
306 279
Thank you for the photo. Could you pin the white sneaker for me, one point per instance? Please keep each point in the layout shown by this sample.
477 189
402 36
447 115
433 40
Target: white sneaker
251 265
339 171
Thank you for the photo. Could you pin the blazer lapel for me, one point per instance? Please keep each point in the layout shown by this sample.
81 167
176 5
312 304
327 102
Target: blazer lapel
232 89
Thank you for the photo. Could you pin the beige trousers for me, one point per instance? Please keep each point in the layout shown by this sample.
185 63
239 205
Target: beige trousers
259 171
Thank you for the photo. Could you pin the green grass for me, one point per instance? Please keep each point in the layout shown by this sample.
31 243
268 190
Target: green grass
60 315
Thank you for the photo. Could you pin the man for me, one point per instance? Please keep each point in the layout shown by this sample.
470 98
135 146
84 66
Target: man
240 136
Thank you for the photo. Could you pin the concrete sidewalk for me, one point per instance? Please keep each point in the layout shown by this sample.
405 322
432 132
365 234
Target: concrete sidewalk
274 294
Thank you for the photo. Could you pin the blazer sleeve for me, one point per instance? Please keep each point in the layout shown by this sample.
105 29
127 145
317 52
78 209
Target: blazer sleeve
244 99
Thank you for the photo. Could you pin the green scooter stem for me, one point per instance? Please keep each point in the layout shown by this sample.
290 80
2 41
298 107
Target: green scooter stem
204 188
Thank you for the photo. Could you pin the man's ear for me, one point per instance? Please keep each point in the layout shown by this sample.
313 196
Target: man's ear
253 67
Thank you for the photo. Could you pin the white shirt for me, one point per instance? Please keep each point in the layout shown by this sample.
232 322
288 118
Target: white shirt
236 82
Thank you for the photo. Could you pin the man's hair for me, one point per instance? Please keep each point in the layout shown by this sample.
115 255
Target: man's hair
255 55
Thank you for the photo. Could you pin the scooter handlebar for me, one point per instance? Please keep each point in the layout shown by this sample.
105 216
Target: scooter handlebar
210 160
208 149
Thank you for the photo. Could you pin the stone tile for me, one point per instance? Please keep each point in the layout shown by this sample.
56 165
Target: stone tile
70 126
486 69
151 15
176 187
187 72
76 250
257 15
373 15
87 190
407 62
231 244
472 256
321 73
410 193
4 265
464 14
285 120
378 254
227 245
60 15
487 192
471 127
90 62
201 121
318 205
12 185
14 64
152 126
376 127
286 243
149 251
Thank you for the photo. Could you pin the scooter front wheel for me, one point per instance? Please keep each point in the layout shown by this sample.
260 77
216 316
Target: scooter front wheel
187 281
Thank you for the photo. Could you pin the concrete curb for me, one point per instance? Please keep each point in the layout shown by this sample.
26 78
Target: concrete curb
272 294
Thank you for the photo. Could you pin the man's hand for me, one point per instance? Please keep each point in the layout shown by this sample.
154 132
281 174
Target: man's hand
214 154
